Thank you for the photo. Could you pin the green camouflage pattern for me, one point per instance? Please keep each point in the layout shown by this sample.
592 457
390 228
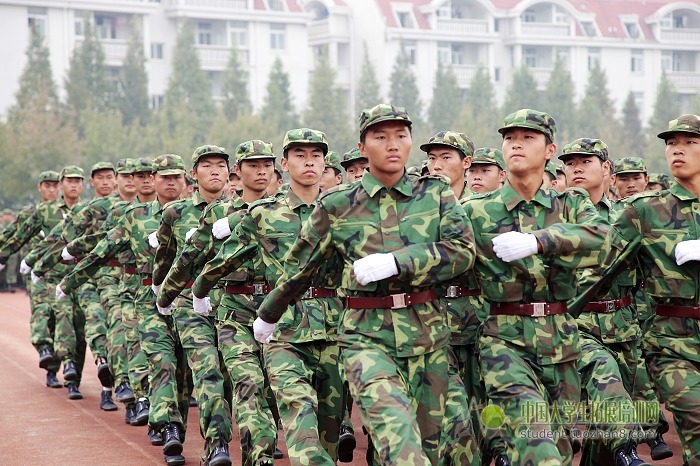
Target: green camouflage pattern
72 171
380 113
351 156
305 136
660 178
208 149
687 123
530 119
49 175
143 164
453 139
101 166
253 150
585 146
333 161
629 165
489 156
169 164
551 169
124 166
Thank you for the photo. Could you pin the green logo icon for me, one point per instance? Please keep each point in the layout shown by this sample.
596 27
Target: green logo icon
493 416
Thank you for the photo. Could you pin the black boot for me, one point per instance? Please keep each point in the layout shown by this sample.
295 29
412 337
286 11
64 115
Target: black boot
174 460
130 413
45 358
124 393
502 460
52 380
659 449
103 373
106 403
141 418
627 456
172 445
155 438
74 393
346 444
219 455
70 371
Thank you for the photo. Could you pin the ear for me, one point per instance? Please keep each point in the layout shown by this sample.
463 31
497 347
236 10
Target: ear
237 169
361 146
467 162
284 164
551 151
502 176
193 174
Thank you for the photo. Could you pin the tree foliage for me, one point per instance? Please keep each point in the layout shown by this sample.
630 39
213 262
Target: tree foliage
278 109
522 92
596 112
404 88
558 101
235 88
368 89
133 80
447 100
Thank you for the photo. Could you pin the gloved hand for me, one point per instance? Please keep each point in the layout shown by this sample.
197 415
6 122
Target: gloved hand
24 269
153 240
375 267
165 311
2 266
66 255
221 229
42 234
59 293
35 278
189 234
156 289
688 250
262 331
201 306
514 245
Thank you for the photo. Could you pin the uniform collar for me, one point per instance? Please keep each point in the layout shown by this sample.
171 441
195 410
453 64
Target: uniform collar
511 198
373 186
681 193
604 202
294 201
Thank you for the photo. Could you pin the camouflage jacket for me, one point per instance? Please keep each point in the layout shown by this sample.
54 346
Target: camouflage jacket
269 229
22 216
570 232
419 221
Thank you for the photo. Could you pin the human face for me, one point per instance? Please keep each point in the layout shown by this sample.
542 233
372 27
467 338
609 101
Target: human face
72 188
104 182
274 184
526 150
654 187
255 175
561 184
683 156
169 187
485 177
125 184
234 184
586 172
628 184
355 170
305 164
446 161
145 183
48 190
386 147
211 174
329 179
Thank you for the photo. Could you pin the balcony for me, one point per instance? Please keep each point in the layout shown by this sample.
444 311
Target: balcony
463 26
216 4
688 36
216 57
684 80
541 76
115 50
464 74
545 29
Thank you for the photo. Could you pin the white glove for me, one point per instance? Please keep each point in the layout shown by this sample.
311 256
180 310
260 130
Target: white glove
59 293
66 255
262 331
156 289
688 250
201 306
375 267
189 234
35 278
153 240
514 245
165 311
2 266
221 229
42 234
24 269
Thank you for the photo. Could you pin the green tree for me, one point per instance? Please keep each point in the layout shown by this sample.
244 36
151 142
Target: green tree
235 88
522 92
596 112
447 100
480 115
404 89
632 133
666 108
326 110
133 96
278 108
368 90
558 101
188 108
247 126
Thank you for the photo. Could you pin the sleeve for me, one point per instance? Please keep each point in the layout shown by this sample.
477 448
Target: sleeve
29 228
167 246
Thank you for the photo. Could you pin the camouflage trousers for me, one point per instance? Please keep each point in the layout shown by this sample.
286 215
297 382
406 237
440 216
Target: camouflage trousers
69 339
42 322
675 369
199 340
406 403
518 384
243 359
108 287
169 390
8 276
644 389
308 388
134 299
95 322
607 378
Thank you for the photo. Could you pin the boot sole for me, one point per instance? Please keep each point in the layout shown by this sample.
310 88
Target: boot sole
126 399
172 448
140 421
174 460
111 407
45 362
662 455
75 397
346 447
70 376
221 461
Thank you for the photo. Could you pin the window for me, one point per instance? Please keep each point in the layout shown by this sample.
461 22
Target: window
670 61
238 33
36 17
637 61
680 21
639 101
106 26
458 57
497 74
593 57
79 24
530 57
157 50
632 30
588 28
496 25
529 16
204 36
560 16
444 53
156 101
405 19
277 36
411 49
275 5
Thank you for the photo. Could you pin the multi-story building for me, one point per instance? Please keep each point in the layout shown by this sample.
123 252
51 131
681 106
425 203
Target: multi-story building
633 40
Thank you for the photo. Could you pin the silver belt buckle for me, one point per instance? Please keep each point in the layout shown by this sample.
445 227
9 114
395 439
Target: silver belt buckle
308 294
398 301
609 306
451 292
258 288
538 309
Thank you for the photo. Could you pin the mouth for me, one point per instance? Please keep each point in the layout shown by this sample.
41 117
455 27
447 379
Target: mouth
677 162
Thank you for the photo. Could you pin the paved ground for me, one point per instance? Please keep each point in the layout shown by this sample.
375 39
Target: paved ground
40 426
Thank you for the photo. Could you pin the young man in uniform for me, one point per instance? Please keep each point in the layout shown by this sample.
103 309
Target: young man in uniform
354 164
333 173
487 172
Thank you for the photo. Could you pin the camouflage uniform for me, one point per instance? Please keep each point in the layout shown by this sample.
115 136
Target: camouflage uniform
197 333
302 359
529 360
8 276
397 361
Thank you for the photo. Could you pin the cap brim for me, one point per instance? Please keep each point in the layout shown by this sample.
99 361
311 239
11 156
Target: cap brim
629 171
171 171
73 176
667 134
387 118
533 126
259 157
562 157
347 163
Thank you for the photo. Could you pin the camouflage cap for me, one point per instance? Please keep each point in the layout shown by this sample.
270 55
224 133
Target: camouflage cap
551 168
382 112
351 156
305 136
49 175
101 166
7 212
413 170
687 123
208 149
531 119
72 171
143 164
489 156
424 167
459 141
629 165
660 178
333 161
278 170
253 150
585 146
559 166
169 164
125 166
